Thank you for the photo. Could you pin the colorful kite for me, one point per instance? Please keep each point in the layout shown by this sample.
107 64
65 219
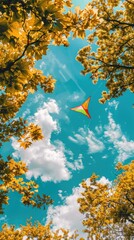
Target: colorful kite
83 108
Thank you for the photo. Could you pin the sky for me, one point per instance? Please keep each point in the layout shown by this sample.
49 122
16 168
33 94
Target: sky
74 146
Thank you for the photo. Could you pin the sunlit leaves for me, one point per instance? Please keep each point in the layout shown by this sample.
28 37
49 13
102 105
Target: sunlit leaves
27 28
109 209
36 230
32 133
113 60
11 178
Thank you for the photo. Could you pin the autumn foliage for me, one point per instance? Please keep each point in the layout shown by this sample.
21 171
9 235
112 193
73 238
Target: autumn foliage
38 231
109 208
27 29
113 59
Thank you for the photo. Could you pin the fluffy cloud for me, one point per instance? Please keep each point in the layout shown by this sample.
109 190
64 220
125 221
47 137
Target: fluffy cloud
68 216
123 146
88 137
111 134
77 164
46 159
94 144
103 180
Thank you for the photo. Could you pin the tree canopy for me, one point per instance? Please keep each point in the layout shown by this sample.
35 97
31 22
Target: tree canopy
35 231
113 59
109 208
27 28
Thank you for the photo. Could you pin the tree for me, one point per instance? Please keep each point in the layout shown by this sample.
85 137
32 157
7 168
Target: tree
25 36
11 177
109 209
27 28
113 59
35 231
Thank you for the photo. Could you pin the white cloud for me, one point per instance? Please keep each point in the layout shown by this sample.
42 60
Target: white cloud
114 104
111 134
73 139
94 144
45 159
123 146
103 180
105 156
113 131
51 106
38 98
67 216
88 138
99 129
77 164
25 113
80 138
60 194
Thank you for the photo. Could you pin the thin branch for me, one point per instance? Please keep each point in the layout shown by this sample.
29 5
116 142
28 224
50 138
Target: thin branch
129 199
130 220
119 22
129 2
112 65
10 64
120 66
125 43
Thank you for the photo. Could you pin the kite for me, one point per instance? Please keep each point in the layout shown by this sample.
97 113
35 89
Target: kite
83 108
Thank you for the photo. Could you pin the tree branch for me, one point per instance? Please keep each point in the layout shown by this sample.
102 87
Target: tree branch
129 2
119 22
112 65
10 63
129 199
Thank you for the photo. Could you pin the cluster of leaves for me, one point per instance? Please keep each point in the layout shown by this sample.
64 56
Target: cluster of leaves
109 209
113 60
24 133
11 173
37 231
27 28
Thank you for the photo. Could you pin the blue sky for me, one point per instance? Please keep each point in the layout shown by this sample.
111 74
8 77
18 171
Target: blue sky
74 146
